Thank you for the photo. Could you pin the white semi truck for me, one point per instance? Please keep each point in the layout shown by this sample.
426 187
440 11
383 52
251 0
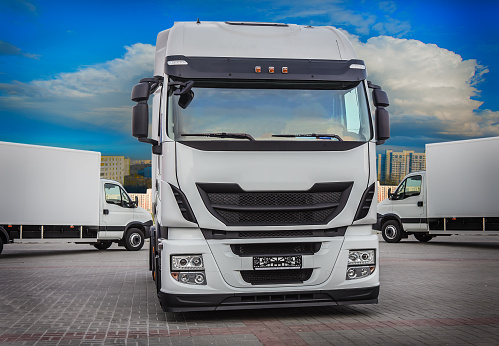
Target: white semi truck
264 170
457 194
54 193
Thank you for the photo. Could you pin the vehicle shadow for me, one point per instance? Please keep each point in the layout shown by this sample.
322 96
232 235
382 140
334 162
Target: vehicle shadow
25 253
474 244
276 314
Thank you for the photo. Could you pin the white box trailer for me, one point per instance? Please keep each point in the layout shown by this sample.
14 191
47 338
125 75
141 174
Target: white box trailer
49 193
458 193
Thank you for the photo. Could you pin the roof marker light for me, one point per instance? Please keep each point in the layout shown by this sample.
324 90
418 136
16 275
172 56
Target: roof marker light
258 69
177 62
284 70
358 66
271 69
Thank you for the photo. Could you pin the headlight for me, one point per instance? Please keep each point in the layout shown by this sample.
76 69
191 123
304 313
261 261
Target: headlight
361 263
361 257
187 262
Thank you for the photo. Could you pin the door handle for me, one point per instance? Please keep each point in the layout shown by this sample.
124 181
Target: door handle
105 211
420 203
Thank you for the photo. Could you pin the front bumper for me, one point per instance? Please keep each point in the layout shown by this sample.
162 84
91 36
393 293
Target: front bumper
212 302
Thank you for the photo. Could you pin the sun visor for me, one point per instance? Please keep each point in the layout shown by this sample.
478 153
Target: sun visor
263 68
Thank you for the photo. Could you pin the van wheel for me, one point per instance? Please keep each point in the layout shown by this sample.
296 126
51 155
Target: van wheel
134 239
391 231
103 245
1 244
423 237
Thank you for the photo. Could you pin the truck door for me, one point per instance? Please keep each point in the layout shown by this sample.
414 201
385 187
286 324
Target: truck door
117 211
407 203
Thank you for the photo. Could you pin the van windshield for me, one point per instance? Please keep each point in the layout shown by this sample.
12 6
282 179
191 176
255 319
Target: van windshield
335 111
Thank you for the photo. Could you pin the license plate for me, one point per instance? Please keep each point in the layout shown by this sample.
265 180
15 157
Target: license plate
276 262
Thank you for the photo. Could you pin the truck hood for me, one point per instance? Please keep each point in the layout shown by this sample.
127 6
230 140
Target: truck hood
271 171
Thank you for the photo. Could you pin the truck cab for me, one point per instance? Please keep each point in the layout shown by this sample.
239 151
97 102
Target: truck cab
264 173
404 211
121 219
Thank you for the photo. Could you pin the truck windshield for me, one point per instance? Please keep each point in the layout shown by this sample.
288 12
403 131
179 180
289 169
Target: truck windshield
335 111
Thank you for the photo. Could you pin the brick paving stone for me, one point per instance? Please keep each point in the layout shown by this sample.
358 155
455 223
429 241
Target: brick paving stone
442 292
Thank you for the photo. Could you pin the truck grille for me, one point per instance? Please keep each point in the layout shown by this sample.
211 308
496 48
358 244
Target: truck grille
234 206
278 276
245 250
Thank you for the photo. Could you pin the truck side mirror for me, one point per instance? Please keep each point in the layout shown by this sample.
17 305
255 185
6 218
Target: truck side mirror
382 125
140 119
390 194
140 112
380 98
185 99
136 201
141 92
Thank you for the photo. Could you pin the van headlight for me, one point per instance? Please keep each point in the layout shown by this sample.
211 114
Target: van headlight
361 263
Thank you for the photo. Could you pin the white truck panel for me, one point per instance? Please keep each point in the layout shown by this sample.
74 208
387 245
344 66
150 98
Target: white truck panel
461 178
224 40
48 186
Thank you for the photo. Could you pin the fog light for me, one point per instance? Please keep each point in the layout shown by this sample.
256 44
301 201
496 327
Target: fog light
199 278
359 272
191 278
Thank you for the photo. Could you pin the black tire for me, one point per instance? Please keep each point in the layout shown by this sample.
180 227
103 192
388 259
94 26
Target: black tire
134 239
103 245
157 273
1 245
423 237
391 231
152 249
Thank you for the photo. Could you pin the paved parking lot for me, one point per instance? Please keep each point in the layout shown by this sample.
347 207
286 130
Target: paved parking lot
445 292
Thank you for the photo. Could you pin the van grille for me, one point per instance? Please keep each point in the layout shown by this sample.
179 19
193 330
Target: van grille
234 206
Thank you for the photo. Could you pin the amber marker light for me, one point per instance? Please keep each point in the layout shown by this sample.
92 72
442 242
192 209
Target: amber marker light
284 70
258 69
271 69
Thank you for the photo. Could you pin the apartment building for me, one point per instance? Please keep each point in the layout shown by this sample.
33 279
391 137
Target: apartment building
394 166
115 168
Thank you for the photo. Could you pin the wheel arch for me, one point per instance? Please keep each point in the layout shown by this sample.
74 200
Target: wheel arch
395 217
144 227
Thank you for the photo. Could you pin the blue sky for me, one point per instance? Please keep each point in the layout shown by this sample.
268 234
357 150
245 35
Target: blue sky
67 67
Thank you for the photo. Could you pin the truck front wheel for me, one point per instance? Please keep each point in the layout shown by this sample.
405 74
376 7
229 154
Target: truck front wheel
423 237
134 239
391 231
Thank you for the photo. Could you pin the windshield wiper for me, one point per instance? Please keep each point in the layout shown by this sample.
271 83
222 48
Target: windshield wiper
220 135
316 135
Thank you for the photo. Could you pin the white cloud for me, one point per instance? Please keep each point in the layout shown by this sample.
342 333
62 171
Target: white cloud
428 83
96 94
327 12
429 87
